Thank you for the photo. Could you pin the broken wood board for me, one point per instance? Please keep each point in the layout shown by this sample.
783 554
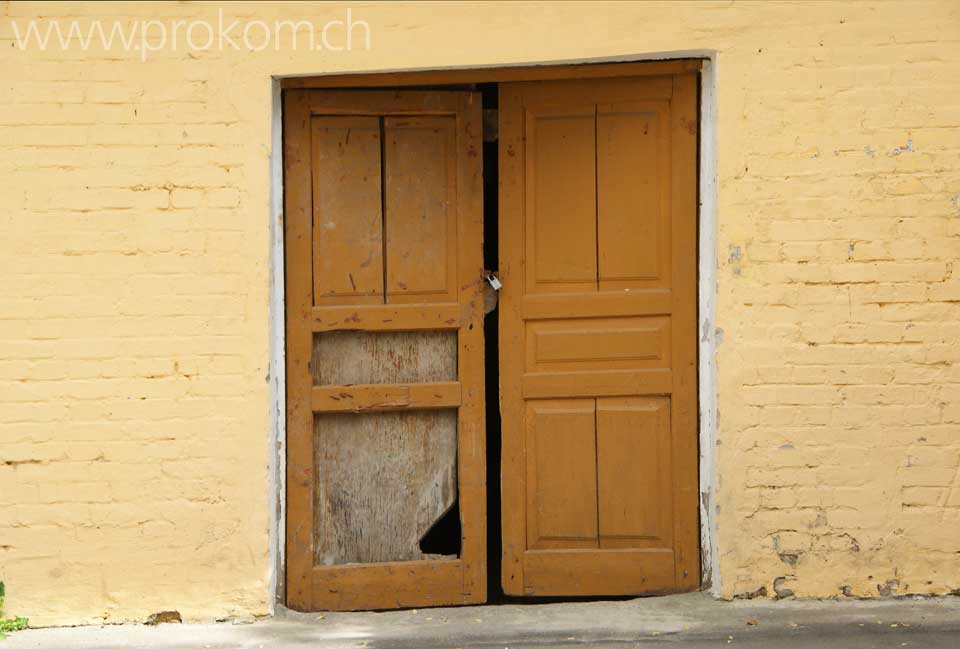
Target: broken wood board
383 480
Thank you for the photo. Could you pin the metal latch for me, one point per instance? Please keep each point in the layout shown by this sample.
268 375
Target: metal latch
490 291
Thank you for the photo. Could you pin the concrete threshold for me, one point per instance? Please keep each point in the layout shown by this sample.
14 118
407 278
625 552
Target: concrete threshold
679 621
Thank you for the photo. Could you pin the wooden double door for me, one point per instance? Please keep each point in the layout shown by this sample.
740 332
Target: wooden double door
385 349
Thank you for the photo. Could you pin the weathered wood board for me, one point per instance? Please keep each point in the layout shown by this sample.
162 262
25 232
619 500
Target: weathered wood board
383 479
355 357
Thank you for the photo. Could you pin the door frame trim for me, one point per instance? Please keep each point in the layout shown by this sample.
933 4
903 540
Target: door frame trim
709 335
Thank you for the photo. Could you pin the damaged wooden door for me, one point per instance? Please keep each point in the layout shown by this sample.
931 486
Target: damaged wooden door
598 206
384 339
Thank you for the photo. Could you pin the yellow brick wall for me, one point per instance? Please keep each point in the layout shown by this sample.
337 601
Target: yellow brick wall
134 403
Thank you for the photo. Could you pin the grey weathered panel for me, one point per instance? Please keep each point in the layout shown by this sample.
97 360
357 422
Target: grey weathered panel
383 479
352 357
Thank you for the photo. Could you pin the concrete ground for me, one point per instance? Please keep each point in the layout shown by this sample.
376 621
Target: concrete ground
680 621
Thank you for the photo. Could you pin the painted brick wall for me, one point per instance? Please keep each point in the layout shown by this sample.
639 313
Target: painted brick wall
134 337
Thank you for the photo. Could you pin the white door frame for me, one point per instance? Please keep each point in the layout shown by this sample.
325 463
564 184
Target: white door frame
707 301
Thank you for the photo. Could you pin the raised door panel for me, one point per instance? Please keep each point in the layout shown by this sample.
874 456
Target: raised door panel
420 169
347 219
593 344
633 195
561 474
561 199
634 474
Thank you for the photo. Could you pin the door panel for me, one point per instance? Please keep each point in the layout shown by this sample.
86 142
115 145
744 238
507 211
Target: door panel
633 453
561 200
352 357
397 452
384 313
624 343
598 336
347 220
633 194
420 176
561 439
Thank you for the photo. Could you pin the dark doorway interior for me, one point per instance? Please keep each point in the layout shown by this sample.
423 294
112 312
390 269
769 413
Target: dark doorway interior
491 181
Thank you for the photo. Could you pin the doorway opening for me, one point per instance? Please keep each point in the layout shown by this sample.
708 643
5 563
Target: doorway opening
589 374
491 262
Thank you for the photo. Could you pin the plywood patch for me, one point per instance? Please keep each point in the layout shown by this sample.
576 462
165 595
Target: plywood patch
383 480
354 357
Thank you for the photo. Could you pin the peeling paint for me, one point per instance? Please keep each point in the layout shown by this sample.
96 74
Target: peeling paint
780 590
889 588
790 558
760 592
906 148
734 257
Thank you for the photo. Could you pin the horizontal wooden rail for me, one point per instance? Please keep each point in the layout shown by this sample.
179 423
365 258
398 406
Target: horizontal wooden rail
393 584
588 572
373 398
637 302
549 385
385 317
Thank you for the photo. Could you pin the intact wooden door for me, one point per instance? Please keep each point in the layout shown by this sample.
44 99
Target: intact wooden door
598 396
384 347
